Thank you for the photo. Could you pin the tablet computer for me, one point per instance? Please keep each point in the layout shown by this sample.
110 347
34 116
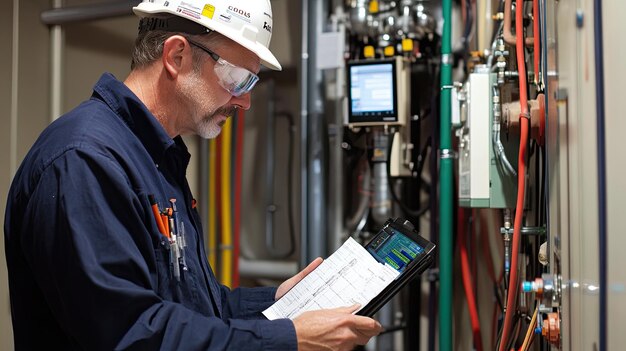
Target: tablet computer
398 244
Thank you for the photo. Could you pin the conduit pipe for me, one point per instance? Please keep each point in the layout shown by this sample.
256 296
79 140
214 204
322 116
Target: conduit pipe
270 165
536 39
509 37
91 12
15 64
445 179
279 270
56 67
511 303
381 199
312 156
304 132
364 193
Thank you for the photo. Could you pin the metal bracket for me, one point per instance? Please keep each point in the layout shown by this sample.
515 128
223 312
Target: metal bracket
446 59
447 153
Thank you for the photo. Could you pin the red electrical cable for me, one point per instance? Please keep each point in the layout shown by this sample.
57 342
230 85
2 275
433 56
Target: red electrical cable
467 280
238 168
511 300
536 38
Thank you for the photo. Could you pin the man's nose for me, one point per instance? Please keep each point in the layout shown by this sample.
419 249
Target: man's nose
242 101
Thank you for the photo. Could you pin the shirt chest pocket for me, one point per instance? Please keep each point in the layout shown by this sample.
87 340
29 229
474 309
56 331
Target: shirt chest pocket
181 286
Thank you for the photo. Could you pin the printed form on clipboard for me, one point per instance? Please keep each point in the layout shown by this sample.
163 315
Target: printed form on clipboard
353 274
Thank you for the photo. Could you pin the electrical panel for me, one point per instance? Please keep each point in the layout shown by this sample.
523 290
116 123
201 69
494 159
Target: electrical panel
483 182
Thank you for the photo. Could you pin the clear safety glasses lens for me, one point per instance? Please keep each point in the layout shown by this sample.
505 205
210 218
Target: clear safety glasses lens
236 80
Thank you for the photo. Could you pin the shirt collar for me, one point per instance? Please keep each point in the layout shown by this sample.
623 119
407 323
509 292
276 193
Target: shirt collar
137 116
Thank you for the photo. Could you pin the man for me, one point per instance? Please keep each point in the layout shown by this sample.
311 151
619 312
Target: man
90 263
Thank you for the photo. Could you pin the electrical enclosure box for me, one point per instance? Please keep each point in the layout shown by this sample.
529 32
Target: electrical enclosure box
378 92
379 96
482 181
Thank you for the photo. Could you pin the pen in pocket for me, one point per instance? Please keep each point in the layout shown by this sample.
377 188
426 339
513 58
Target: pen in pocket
167 222
157 215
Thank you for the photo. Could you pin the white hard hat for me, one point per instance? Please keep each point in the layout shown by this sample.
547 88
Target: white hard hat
246 22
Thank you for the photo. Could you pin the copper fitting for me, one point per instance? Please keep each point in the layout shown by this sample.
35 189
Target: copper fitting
551 329
509 38
511 115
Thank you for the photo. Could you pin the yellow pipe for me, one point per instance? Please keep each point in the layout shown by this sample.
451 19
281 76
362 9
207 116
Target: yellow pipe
225 207
212 208
531 329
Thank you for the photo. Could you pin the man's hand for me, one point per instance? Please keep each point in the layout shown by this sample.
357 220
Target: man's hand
334 329
289 283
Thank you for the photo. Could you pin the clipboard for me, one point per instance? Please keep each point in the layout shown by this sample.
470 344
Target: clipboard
369 275
399 245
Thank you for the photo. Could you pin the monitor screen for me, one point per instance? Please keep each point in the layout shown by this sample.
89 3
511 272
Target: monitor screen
395 249
372 92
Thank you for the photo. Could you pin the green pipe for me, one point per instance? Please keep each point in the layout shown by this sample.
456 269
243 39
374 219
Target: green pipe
445 183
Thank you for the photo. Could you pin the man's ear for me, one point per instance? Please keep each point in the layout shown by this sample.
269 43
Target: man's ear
173 57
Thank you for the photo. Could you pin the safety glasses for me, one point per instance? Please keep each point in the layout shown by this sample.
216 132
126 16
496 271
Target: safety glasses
236 80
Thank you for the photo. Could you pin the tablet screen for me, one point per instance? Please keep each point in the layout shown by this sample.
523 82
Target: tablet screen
394 248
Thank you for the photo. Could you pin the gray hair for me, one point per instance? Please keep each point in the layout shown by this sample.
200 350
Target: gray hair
149 46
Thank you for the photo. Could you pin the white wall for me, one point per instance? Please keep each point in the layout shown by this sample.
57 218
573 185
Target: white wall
23 108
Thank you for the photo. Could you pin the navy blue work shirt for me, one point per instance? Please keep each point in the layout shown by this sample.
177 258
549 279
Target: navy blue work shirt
88 267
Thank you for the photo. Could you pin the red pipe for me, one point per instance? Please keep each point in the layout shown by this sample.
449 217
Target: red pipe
511 300
467 280
238 170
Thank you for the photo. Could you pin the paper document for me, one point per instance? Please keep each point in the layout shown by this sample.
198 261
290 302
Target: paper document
350 275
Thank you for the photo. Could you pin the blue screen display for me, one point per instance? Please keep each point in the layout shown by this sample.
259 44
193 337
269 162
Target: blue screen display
371 90
395 249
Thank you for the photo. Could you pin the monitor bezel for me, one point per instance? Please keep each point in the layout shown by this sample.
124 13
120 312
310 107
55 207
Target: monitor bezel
380 119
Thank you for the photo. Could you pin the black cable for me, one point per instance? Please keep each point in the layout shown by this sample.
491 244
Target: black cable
517 319
496 292
499 337
408 211
422 156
